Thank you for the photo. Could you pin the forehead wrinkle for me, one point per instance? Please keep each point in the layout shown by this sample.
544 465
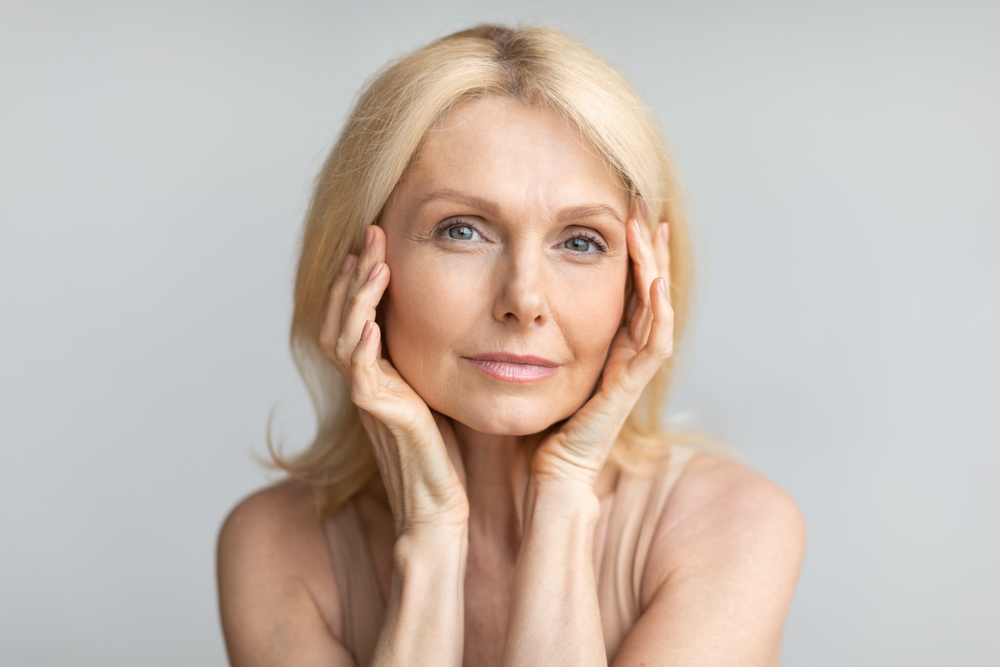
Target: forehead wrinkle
537 195
586 211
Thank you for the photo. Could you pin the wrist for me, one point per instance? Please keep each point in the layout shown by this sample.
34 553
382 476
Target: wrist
566 501
427 547
440 524
425 614
553 466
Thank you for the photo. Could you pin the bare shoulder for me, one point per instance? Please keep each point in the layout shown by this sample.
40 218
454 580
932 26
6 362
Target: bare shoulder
272 515
722 567
722 499
720 510
277 593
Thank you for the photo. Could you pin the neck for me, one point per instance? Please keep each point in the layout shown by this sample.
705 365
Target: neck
496 470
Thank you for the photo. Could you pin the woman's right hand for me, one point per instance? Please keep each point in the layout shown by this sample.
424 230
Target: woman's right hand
416 449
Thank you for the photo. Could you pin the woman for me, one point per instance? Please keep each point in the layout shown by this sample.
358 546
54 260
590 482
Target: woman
494 272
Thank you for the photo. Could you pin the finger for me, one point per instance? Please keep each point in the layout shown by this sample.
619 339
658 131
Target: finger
364 369
639 317
621 392
372 252
362 303
660 342
661 250
658 348
645 272
359 309
330 331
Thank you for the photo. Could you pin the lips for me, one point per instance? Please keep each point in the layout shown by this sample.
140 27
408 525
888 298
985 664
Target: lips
513 367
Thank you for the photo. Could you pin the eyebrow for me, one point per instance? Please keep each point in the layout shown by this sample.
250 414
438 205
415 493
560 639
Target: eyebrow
568 214
478 203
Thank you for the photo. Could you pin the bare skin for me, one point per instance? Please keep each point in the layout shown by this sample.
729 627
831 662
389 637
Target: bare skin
508 235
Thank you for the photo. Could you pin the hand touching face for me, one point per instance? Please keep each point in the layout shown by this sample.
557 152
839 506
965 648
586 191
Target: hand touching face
507 248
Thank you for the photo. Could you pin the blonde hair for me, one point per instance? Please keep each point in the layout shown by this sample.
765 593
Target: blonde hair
538 66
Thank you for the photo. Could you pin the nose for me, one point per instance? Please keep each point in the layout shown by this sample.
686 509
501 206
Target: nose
521 299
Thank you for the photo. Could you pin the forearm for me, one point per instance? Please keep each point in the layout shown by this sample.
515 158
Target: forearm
425 620
553 617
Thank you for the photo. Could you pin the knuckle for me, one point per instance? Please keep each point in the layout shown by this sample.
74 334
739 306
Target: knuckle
343 352
328 347
358 298
361 269
354 357
339 285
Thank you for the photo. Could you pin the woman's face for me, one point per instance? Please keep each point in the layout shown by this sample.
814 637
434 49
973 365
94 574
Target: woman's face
506 249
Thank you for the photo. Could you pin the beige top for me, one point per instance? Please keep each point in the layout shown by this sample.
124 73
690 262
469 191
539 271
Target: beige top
629 518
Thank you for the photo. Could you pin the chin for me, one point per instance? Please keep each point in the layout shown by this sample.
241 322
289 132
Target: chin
506 417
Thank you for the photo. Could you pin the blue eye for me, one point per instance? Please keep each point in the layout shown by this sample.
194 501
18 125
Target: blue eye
461 232
584 244
578 244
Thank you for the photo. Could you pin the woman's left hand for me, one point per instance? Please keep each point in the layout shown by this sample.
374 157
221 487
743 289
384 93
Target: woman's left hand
578 450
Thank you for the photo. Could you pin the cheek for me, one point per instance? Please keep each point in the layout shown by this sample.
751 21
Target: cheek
589 313
428 309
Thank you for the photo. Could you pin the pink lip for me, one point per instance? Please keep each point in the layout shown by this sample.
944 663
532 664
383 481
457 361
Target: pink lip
513 367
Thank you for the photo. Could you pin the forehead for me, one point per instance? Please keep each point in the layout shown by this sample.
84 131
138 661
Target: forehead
501 149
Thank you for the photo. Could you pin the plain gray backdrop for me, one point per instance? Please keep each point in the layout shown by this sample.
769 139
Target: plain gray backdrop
843 165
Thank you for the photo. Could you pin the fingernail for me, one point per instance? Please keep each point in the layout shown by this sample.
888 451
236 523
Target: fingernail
375 270
367 330
665 232
369 236
661 286
348 265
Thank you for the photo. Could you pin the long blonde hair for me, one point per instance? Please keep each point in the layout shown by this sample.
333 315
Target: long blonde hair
538 66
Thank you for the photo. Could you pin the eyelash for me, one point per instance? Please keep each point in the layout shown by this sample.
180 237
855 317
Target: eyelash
587 236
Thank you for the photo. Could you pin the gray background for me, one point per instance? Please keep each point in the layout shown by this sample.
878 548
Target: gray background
843 162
